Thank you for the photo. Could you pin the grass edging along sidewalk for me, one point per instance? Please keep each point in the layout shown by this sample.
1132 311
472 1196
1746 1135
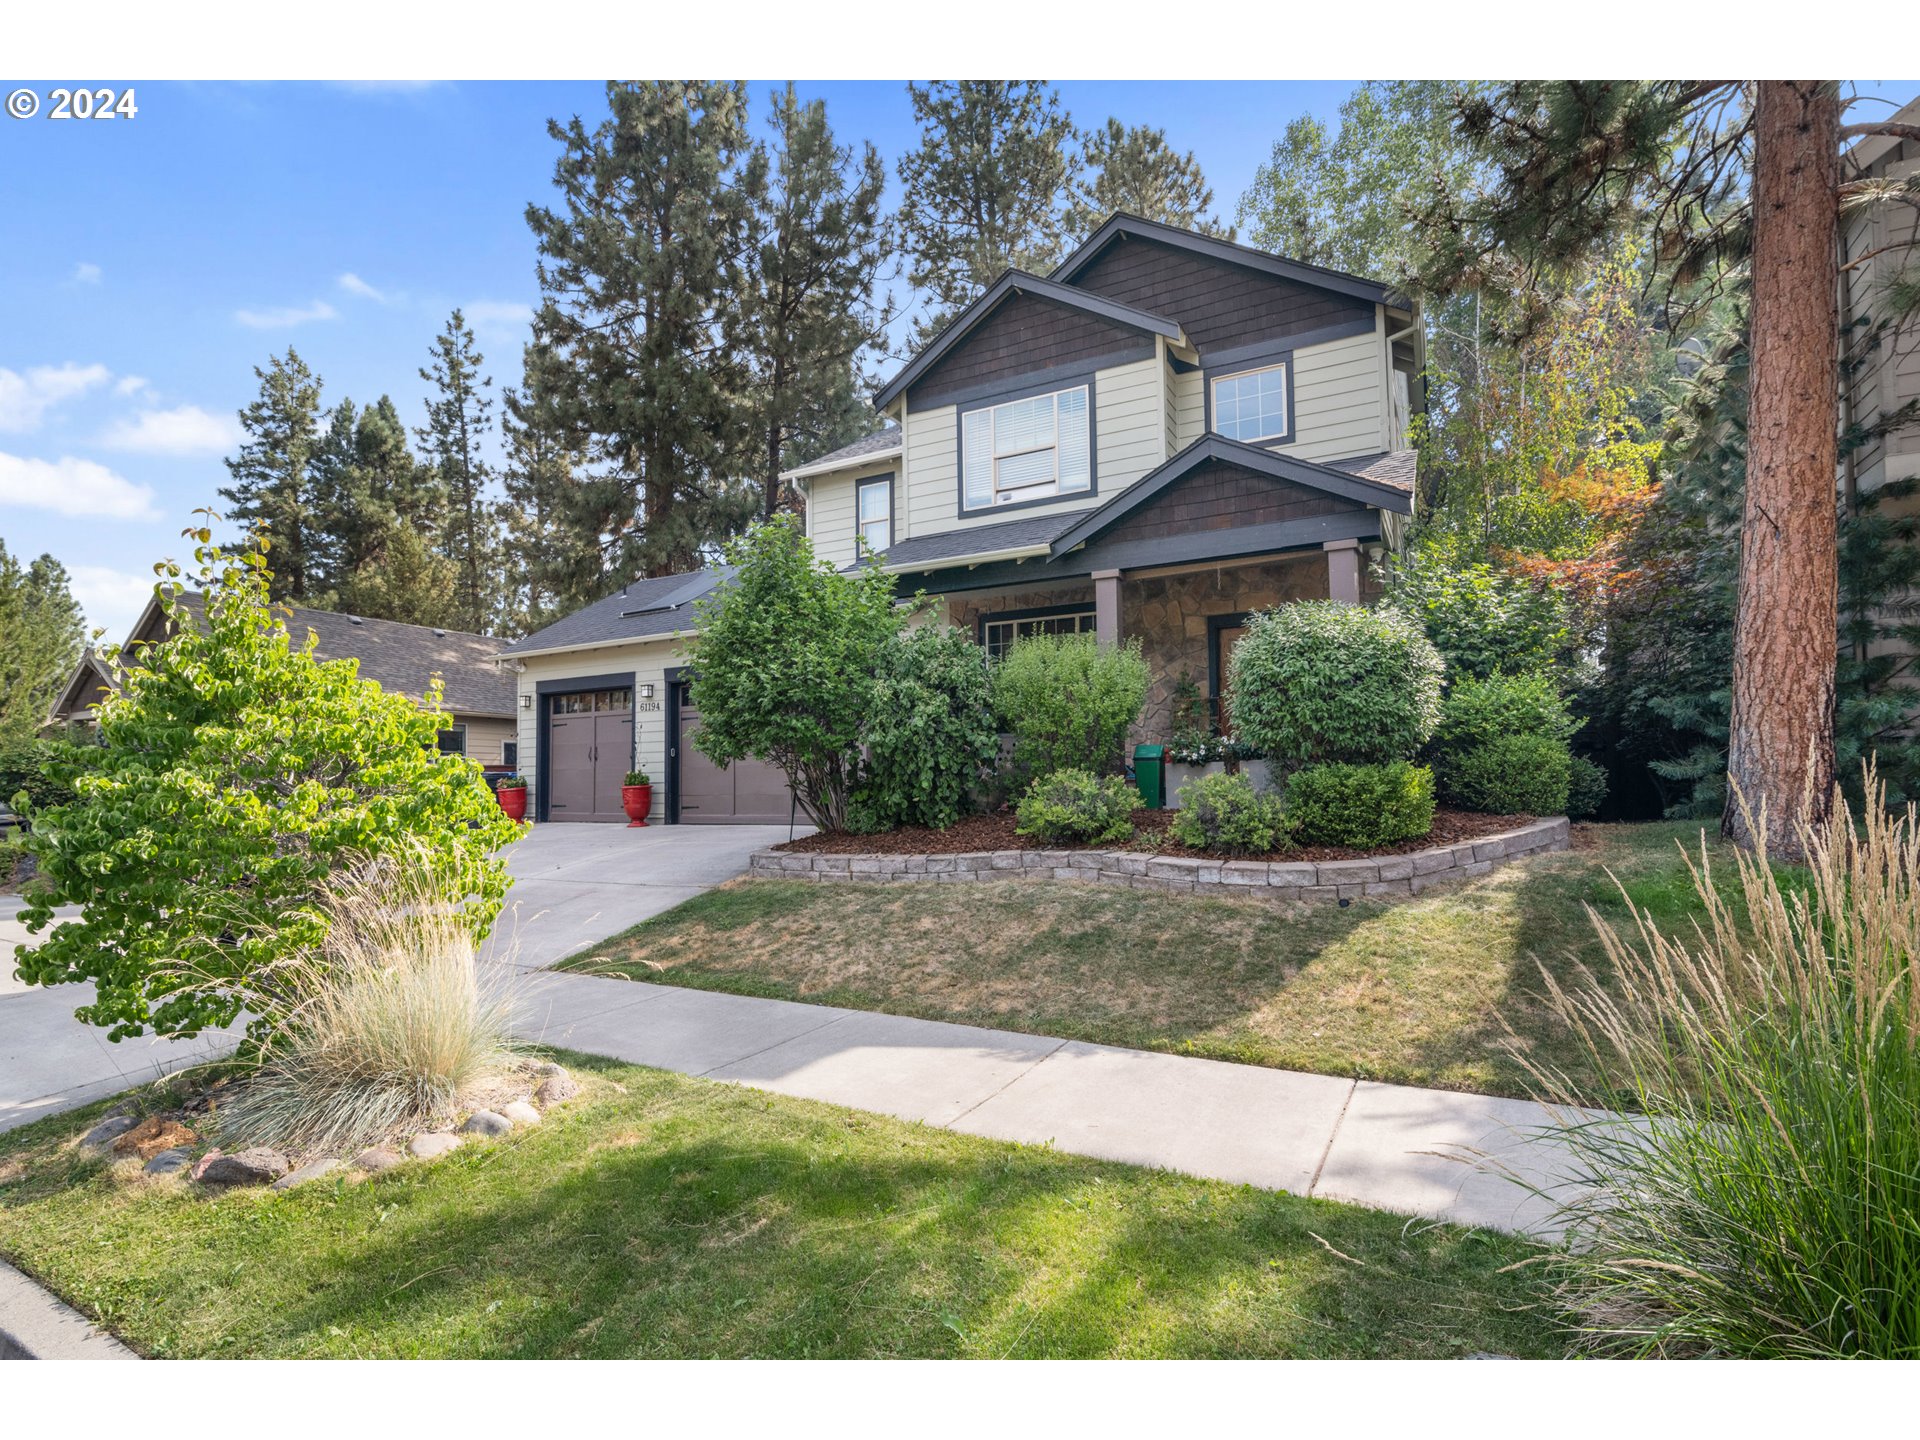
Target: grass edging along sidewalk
1441 989
1353 879
658 1215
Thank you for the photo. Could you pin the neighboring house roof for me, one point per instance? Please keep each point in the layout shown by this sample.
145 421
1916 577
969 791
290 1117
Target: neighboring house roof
883 444
644 610
83 691
402 659
1018 282
1121 225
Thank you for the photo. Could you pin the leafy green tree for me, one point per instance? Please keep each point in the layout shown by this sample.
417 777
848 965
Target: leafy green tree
930 736
786 665
459 419
42 635
819 255
1346 200
236 775
639 362
986 189
273 486
1135 170
1483 621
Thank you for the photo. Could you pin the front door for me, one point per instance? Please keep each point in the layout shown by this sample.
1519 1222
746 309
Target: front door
1224 637
589 752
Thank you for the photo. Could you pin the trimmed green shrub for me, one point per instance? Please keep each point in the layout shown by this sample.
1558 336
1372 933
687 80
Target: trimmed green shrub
1360 806
1481 620
1477 710
1077 805
1319 681
1513 775
1586 787
1223 812
930 735
1068 702
238 774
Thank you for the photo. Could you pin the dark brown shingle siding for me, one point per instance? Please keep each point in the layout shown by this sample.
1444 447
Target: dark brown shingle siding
1024 335
1223 497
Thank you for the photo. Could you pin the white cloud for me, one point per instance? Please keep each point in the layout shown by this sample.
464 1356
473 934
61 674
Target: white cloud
184 430
111 599
286 316
69 486
499 319
25 399
130 385
354 285
86 273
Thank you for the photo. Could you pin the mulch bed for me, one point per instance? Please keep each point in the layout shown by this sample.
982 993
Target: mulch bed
995 832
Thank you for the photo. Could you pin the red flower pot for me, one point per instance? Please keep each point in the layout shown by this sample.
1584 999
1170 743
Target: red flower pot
637 801
513 800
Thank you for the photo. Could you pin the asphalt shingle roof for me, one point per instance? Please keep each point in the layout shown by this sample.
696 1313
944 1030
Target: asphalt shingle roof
644 609
978 540
405 658
1397 468
878 443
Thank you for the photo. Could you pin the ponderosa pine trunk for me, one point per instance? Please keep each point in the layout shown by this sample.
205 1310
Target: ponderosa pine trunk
1780 747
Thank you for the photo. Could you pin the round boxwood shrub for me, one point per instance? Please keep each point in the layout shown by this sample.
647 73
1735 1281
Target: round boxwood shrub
1319 681
1077 806
1512 775
1223 812
1477 710
1360 806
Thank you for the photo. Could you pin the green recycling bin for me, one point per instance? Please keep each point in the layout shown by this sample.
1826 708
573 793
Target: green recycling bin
1150 774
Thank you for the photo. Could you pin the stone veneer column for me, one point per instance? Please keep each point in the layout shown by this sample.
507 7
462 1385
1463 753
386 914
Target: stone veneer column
1343 571
1106 606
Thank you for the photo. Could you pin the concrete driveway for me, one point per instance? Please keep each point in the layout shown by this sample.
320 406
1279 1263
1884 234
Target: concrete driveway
575 885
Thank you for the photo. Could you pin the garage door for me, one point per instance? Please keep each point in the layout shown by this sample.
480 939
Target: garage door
747 792
589 751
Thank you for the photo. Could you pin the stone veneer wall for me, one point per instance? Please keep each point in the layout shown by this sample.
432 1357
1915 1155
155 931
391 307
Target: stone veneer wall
1385 875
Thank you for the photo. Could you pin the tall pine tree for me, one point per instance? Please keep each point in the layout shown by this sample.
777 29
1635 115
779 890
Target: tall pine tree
272 490
41 635
459 417
1135 170
552 566
374 503
819 256
986 189
638 361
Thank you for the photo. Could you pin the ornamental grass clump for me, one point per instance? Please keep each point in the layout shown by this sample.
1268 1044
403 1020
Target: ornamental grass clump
1769 1203
393 1025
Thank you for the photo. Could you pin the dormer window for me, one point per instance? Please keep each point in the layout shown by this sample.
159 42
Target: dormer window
1026 450
1251 407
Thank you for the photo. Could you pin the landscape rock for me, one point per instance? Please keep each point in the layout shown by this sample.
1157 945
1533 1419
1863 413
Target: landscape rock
486 1122
520 1112
556 1087
548 1067
200 1165
152 1135
102 1136
431 1146
255 1165
312 1170
169 1162
377 1158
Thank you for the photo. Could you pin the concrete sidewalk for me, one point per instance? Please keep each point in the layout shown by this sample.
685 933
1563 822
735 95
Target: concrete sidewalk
1391 1147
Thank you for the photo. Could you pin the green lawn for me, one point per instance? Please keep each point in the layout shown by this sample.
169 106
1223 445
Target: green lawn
663 1216
1420 992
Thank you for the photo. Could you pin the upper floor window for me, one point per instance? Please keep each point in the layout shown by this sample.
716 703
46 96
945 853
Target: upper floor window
1029 449
1251 406
874 513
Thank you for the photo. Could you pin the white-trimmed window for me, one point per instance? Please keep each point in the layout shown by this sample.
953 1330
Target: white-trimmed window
1252 406
998 634
873 501
1030 449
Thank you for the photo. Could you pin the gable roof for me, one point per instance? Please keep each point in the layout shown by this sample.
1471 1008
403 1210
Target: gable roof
883 444
1121 224
402 658
1018 282
644 610
1348 485
83 691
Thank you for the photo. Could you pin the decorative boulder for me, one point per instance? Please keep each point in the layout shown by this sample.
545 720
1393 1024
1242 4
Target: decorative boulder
102 1136
556 1087
520 1112
256 1165
152 1135
376 1159
431 1146
486 1122
169 1162
312 1170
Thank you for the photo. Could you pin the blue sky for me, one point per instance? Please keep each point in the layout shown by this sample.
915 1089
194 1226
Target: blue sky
150 263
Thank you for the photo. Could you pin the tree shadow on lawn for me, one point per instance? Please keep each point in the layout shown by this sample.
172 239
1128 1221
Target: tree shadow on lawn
688 1218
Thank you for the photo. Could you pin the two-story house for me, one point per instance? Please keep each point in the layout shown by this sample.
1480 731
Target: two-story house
1167 432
